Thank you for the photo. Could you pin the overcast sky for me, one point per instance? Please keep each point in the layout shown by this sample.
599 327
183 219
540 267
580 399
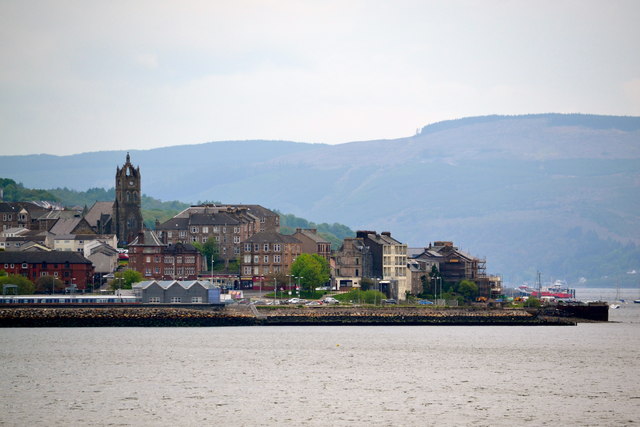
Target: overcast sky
78 76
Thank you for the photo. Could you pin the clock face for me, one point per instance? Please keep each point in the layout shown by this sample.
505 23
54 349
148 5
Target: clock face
131 182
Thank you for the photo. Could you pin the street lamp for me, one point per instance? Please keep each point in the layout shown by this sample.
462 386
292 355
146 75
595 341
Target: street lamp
289 276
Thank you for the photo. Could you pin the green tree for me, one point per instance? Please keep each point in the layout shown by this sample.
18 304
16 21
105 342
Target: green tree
25 286
532 302
468 289
125 279
313 269
46 284
208 249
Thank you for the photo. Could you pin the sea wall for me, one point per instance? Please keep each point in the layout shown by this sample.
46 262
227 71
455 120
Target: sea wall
141 316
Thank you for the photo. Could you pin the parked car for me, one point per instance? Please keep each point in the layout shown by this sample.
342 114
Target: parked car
296 301
314 303
425 302
330 300
389 301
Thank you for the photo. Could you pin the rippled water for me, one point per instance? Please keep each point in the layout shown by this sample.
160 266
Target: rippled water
414 375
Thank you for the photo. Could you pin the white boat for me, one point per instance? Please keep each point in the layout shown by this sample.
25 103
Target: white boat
614 306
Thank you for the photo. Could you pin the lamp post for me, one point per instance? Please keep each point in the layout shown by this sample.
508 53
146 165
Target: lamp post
289 276
275 290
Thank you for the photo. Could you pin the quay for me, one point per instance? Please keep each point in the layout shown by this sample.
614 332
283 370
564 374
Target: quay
206 315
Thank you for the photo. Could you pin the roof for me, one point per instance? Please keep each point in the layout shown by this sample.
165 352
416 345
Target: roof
271 237
97 210
149 239
55 257
174 223
166 284
311 234
212 219
179 248
65 225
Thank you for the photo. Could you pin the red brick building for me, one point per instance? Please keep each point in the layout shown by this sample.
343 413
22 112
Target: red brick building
156 260
69 267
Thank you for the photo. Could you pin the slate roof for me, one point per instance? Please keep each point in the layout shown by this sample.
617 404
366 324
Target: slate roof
271 237
166 284
311 235
97 210
150 239
174 223
53 257
212 219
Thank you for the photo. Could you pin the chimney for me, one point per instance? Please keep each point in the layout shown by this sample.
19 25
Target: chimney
386 233
141 237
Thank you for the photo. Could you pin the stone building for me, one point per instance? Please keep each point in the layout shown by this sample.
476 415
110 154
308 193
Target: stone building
267 253
351 263
389 262
228 225
313 243
161 261
127 211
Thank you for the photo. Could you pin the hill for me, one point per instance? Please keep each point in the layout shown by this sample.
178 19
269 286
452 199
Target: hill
549 192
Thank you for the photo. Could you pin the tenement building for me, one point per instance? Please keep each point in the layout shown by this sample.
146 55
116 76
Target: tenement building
267 253
227 225
163 261
351 263
389 262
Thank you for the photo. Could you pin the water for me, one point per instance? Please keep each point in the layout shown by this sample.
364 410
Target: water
319 376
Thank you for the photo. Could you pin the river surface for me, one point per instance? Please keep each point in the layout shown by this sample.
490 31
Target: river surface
325 376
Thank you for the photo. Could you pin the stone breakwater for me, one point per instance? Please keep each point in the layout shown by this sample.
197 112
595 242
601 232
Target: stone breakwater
243 316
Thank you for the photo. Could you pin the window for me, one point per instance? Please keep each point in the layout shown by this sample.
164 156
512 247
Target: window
196 300
157 270
175 300
183 234
43 273
277 247
265 247
154 299
224 229
247 270
205 229
236 250
204 240
147 259
256 271
276 258
194 229
266 259
190 271
262 220
156 259
25 265
194 238
256 259
247 259
168 271
236 230
216 230
168 260
179 260
147 272
247 247
169 234
55 274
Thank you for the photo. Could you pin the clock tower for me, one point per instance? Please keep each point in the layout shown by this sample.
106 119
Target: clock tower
127 206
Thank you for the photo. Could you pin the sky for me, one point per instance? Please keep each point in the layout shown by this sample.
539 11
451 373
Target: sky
81 76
